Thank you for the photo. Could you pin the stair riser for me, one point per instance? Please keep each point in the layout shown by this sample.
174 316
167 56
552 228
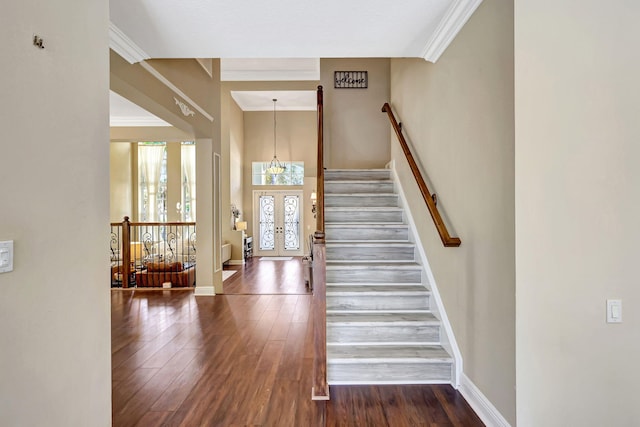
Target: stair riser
362 216
383 333
387 303
388 372
334 200
378 253
372 275
357 175
367 233
358 187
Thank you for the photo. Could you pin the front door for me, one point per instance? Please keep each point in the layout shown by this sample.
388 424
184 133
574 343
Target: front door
277 223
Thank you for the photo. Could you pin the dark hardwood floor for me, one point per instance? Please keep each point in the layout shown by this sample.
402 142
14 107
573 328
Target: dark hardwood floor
238 360
266 277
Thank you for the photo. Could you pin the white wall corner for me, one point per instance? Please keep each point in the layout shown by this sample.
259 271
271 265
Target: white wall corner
452 22
124 46
488 413
205 291
450 344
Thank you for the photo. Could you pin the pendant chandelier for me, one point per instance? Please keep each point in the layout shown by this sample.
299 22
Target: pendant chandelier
275 167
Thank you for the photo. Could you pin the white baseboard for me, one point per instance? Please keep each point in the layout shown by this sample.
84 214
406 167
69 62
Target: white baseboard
235 262
488 413
205 291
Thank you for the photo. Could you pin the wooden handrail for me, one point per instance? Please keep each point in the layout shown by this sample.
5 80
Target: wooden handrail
320 387
142 224
429 199
320 172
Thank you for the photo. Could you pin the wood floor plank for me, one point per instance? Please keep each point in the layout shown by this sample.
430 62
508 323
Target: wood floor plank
241 360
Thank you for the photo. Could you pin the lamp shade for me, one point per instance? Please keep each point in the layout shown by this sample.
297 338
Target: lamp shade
241 225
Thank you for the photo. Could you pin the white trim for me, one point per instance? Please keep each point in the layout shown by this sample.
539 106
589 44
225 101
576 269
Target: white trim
124 46
205 291
155 73
449 343
454 19
270 69
235 262
207 65
488 413
137 122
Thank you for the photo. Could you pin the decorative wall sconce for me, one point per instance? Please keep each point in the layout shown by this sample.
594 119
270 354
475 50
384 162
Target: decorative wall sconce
241 225
314 203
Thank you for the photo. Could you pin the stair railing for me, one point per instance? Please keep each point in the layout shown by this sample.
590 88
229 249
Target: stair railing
430 199
320 387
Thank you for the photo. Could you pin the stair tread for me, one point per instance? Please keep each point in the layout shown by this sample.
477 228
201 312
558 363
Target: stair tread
380 194
358 264
363 208
361 181
398 290
373 319
365 224
370 243
386 352
379 284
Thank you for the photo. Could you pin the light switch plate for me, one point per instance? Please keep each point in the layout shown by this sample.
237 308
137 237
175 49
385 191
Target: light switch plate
6 256
614 311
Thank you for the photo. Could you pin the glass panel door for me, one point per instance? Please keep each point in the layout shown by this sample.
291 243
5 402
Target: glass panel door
278 223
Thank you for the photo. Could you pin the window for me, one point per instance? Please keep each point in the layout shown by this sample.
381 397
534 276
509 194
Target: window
154 172
292 175
188 155
152 179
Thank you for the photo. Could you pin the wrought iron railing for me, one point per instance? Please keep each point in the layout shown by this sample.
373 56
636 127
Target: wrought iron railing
152 254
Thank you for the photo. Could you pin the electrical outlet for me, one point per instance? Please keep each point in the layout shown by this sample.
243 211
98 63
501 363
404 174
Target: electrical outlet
6 256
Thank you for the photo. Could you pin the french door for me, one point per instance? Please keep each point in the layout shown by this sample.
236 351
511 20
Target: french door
277 223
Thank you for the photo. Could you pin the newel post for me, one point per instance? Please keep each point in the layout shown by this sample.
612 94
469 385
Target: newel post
126 252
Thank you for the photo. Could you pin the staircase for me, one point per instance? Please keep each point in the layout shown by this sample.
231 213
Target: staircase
380 326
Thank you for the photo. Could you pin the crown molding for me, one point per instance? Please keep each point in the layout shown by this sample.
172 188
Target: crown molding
124 46
454 19
269 69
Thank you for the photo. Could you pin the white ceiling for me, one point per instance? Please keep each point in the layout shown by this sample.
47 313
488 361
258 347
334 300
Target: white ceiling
299 100
123 112
277 40
275 29
289 28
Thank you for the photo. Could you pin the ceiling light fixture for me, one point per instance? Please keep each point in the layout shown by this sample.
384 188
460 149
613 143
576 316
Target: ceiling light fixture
275 167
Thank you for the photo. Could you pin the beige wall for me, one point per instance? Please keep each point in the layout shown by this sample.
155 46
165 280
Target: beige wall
355 131
55 352
138 85
121 185
297 140
458 113
236 183
232 156
577 210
